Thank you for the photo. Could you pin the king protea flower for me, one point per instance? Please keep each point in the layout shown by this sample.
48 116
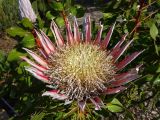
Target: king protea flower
81 69
26 10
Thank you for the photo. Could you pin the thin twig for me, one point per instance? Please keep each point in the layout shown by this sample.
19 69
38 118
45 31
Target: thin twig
138 24
150 15
148 5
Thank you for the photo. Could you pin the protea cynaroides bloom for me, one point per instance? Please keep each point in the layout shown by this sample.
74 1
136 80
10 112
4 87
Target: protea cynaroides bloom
80 69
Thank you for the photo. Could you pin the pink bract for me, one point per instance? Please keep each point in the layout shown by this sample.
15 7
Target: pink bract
74 88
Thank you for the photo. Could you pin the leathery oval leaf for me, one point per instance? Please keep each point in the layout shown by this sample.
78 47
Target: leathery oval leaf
115 106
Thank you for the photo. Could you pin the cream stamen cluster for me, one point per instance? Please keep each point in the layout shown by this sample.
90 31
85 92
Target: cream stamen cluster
82 69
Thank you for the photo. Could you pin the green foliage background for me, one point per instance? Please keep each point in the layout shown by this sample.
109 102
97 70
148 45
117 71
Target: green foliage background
23 91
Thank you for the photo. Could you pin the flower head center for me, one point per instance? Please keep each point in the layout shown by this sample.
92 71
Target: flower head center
82 67
85 62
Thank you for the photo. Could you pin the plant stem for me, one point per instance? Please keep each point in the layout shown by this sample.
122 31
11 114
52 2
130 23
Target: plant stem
137 21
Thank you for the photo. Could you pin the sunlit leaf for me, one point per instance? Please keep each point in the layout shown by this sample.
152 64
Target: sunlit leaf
149 77
73 11
153 31
14 55
42 6
107 15
157 80
49 15
157 18
60 21
115 106
158 70
38 116
20 69
28 41
40 23
16 31
26 23
58 6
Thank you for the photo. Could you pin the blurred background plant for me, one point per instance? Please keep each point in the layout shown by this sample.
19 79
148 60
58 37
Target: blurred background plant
21 93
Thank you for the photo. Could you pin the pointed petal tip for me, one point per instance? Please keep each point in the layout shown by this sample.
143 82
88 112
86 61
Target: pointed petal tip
82 104
99 34
49 43
22 56
55 95
87 29
114 24
57 35
138 67
38 74
67 102
24 48
97 102
126 77
142 51
119 53
39 67
36 57
105 42
128 59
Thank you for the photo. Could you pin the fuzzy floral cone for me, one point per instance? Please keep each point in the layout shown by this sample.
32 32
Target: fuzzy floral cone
26 10
81 69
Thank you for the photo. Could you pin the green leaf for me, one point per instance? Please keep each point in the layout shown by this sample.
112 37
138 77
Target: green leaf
49 15
153 31
14 55
35 6
156 48
148 77
158 70
38 116
157 80
42 6
67 4
157 18
40 22
134 6
73 11
20 69
26 23
149 23
60 21
28 41
115 106
59 115
117 4
16 31
107 15
57 6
